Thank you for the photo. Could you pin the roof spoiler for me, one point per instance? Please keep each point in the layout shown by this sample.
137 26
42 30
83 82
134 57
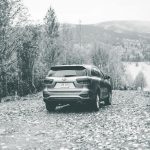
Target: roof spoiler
69 67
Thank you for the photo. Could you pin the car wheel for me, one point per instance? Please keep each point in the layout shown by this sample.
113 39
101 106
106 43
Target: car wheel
50 106
108 100
96 104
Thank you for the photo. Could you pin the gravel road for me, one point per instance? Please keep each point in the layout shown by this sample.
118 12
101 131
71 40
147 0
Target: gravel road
25 125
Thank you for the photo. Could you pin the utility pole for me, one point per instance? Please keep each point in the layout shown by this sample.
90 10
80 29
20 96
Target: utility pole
80 33
64 35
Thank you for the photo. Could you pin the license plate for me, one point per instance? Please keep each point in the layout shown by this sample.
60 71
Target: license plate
64 85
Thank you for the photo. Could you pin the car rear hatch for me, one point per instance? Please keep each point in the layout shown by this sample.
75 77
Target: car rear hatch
67 78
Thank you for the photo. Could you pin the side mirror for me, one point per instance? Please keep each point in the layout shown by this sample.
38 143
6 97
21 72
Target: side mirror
106 77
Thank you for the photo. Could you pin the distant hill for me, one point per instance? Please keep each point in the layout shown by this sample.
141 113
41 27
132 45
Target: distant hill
134 36
112 32
127 26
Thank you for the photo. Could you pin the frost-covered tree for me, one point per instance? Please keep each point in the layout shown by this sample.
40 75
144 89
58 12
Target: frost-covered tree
140 81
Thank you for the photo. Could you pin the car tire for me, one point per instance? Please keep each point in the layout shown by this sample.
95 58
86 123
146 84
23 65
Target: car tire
108 100
96 103
50 106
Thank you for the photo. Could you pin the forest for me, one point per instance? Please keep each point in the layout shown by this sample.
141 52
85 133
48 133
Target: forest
27 50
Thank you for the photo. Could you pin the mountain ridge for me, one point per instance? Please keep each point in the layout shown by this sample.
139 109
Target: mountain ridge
112 31
132 36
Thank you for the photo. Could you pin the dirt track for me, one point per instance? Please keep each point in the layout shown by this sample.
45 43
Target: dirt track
124 125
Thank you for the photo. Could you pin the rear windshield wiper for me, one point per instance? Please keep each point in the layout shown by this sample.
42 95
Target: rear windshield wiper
69 75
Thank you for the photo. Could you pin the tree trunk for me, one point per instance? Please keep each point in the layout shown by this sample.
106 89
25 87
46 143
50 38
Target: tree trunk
2 79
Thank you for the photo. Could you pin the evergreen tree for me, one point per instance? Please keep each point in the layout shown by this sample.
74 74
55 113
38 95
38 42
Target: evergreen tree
26 56
50 39
12 14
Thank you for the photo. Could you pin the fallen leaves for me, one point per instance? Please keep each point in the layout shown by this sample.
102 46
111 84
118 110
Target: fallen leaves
124 125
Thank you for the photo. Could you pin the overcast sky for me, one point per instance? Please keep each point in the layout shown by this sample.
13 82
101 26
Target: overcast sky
90 11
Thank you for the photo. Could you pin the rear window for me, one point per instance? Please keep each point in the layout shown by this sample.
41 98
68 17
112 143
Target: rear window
67 71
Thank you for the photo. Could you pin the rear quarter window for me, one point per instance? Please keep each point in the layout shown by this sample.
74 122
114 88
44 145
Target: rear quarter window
95 73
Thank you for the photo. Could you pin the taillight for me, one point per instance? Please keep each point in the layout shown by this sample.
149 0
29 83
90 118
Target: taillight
48 81
84 81
45 95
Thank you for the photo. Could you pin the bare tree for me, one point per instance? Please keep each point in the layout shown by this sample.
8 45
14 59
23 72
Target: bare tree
108 59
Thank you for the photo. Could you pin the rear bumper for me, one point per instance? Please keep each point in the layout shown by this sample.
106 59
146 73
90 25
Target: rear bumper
67 97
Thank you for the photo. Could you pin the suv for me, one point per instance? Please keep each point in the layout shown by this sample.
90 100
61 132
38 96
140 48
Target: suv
72 84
